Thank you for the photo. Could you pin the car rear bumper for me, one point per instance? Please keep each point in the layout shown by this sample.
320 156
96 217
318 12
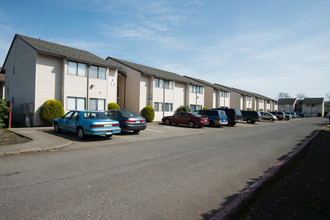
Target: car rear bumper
134 127
102 132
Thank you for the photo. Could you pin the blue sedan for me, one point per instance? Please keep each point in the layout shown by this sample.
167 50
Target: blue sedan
86 123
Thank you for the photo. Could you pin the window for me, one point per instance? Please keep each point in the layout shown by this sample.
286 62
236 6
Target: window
195 108
98 72
97 104
249 98
74 103
196 89
168 84
224 94
159 83
261 100
168 107
76 69
158 106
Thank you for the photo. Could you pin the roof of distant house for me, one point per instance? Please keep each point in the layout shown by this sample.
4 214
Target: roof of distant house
313 101
287 101
154 71
58 50
209 84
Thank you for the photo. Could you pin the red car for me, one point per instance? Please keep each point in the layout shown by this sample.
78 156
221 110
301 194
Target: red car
186 118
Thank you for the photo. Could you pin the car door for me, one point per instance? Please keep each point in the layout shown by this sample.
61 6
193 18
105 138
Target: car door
176 119
185 118
72 122
65 122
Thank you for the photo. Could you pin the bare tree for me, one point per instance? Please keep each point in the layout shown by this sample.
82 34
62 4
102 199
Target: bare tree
301 96
283 95
327 96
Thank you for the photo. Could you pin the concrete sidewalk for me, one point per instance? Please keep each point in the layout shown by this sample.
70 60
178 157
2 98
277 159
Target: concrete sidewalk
41 141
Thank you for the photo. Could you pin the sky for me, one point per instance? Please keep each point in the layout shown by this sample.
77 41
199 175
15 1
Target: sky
262 46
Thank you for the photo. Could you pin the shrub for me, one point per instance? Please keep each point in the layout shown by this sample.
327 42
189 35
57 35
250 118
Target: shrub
148 113
319 114
205 108
50 110
113 106
4 110
182 109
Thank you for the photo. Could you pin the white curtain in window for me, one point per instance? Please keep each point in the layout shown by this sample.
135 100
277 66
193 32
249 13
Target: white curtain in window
102 72
93 73
100 104
71 103
92 104
72 68
81 104
81 69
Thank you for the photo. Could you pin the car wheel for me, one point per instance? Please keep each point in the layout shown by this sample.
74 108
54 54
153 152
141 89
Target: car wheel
191 124
108 135
57 128
81 133
272 119
212 124
232 123
136 131
167 121
249 121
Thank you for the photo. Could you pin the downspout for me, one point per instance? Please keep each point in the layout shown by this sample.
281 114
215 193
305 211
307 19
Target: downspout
87 101
164 99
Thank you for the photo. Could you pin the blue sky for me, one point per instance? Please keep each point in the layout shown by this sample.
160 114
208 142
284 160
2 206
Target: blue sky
263 46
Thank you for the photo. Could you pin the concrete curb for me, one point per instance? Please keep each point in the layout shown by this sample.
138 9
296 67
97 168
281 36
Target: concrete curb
41 142
231 209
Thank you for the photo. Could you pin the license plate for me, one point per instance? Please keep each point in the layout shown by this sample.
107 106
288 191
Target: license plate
137 121
107 125
108 132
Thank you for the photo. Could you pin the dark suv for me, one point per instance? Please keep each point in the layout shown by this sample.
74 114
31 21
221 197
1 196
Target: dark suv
251 116
233 115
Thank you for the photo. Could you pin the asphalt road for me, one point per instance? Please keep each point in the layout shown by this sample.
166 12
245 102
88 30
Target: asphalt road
166 172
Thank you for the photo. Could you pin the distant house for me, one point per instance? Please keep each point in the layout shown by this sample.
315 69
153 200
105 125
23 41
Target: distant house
163 90
313 106
287 104
216 96
37 70
2 84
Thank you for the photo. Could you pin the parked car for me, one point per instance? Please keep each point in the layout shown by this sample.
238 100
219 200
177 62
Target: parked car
288 116
86 123
186 118
268 116
251 117
293 114
216 117
129 121
279 115
234 115
301 115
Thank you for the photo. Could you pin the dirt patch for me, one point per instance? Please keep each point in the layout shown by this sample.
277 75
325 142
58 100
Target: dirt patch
7 138
301 191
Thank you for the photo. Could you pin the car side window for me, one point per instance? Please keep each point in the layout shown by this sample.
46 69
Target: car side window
68 115
112 114
177 115
75 116
185 114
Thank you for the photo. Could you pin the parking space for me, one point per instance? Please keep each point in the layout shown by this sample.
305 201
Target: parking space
156 131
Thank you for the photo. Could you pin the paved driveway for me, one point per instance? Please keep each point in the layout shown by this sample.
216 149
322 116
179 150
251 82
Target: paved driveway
170 173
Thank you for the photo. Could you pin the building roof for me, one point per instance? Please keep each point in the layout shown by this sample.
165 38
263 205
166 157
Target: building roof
208 84
154 72
313 101
58 50
287 101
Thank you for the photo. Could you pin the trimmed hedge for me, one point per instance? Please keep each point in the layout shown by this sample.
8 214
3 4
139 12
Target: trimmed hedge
50 110
182 109
4 110
148 113
113 106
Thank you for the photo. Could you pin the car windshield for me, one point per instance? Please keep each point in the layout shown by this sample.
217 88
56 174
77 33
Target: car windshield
95 115
129 114
223 113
